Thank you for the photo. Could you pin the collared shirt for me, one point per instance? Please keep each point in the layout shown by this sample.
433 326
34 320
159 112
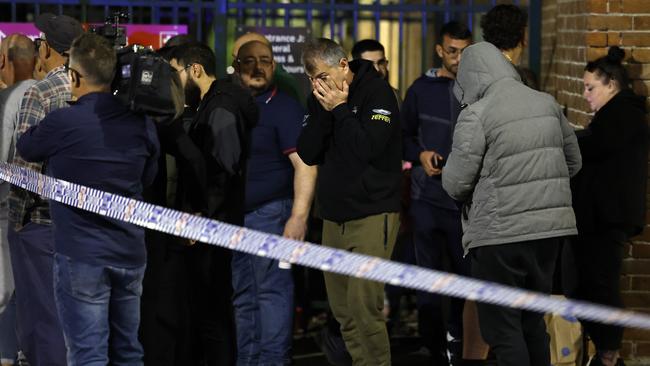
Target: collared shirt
10 100
270 172
100 144
47 95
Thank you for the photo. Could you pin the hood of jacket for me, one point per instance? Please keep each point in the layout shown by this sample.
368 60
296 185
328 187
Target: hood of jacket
363 70
481 65
242 97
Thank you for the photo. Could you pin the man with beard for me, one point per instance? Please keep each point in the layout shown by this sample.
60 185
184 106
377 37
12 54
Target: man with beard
164 324
221 130
429 113
279 191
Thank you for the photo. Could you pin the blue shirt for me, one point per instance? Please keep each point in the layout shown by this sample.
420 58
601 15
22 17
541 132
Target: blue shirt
270 173
98 143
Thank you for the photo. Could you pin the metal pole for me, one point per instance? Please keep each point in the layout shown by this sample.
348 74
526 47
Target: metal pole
377 19
355 21
423 60
220 35
535 35
332 18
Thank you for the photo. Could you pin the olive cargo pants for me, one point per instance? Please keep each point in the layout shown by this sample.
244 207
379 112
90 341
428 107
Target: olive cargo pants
357 304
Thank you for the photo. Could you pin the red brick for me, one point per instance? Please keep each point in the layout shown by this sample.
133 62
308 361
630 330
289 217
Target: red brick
620 22
642 22
641 87
642 349
636 6
626 349
597 39
614 38
635 39
637 266
626 283
639 71
641 55
637 334
640 283
596 6
596 52
612 22
640 250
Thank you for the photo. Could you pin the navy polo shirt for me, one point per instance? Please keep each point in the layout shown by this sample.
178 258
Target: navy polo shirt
98 143
270 173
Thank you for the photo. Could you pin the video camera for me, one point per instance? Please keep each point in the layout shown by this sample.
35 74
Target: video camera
143 79
111 29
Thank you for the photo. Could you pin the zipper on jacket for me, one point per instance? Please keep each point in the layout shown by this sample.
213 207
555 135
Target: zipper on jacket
385 232
343 228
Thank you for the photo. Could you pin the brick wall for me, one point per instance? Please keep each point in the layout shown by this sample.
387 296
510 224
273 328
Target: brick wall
574 31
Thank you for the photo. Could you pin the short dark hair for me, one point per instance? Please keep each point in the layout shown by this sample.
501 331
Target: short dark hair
610 67
366 45
455 30
179 39
96 56
196 53
323 49
505 26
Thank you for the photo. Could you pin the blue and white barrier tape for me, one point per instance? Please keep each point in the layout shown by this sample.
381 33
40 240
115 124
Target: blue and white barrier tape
306 254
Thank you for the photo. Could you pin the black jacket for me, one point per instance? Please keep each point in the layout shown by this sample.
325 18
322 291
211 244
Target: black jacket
610 190
357 147
221 131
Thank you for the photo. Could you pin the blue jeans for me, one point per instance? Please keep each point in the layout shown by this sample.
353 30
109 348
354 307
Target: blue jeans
38 328
99 306
263 295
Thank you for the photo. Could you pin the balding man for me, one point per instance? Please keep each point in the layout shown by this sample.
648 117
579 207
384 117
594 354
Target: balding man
17 58
282 79
279 192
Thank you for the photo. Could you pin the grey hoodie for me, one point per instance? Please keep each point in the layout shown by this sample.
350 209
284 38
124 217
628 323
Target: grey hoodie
512 156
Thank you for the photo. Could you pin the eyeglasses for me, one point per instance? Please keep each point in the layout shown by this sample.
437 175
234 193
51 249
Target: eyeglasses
250 62
37 43
453 52
70 70
185 68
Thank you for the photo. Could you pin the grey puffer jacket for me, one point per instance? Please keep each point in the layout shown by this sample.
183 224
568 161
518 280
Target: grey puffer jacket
512 156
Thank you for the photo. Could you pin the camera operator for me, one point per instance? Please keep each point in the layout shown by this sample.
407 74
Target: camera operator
99 262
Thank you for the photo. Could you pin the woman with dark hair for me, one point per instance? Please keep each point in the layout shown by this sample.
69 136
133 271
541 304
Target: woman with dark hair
609 194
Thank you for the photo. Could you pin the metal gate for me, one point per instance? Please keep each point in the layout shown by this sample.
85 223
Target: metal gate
406 27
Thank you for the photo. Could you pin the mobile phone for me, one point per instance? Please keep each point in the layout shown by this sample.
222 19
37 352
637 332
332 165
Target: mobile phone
437 163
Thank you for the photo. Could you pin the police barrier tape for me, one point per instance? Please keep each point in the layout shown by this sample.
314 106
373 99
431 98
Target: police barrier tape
306 254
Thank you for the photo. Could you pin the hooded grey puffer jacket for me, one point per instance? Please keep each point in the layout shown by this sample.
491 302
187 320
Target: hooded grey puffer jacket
512 156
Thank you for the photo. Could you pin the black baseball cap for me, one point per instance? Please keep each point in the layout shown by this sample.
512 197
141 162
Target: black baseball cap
60 30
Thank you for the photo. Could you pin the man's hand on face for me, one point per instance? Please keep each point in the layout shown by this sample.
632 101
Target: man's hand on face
328 94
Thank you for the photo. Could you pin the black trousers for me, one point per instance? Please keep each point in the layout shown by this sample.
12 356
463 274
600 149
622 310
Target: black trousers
598 261
437 232
517 337
165 323
212 314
